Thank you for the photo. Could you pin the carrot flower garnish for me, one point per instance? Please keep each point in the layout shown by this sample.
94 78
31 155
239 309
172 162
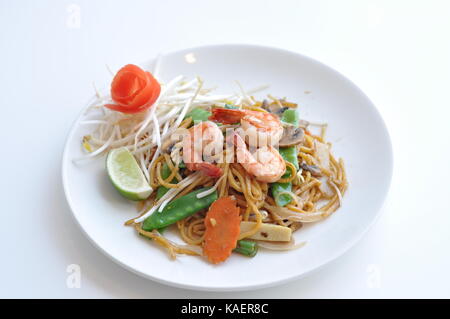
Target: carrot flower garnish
133 90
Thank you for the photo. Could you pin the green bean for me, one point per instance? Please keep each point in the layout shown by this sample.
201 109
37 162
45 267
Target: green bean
246 247
279 195
290 116
198 115
162 190
289 154
178 209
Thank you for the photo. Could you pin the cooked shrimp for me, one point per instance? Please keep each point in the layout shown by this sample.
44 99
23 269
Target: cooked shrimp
266 164
204 140
258 128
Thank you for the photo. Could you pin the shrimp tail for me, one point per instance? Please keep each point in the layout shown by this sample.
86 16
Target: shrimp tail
209 169
226 116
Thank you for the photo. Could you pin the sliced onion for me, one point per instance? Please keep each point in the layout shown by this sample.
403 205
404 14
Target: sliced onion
323 154
285 213
324 187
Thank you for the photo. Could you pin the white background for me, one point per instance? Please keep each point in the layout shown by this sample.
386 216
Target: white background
397 52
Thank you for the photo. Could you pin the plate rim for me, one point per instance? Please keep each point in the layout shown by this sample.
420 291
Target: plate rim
339 253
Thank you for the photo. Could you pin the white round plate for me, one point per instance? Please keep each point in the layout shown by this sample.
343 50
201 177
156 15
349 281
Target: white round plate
356 130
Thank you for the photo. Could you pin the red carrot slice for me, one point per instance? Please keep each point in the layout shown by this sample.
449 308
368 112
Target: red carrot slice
222 229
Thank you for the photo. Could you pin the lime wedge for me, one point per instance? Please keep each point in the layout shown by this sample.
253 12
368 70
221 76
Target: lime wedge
126 175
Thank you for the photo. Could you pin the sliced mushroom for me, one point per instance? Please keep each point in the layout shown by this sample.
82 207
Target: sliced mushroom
313 169
265 104
292 136
273 108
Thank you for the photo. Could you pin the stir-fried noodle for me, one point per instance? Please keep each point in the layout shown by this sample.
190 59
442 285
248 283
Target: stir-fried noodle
316 186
